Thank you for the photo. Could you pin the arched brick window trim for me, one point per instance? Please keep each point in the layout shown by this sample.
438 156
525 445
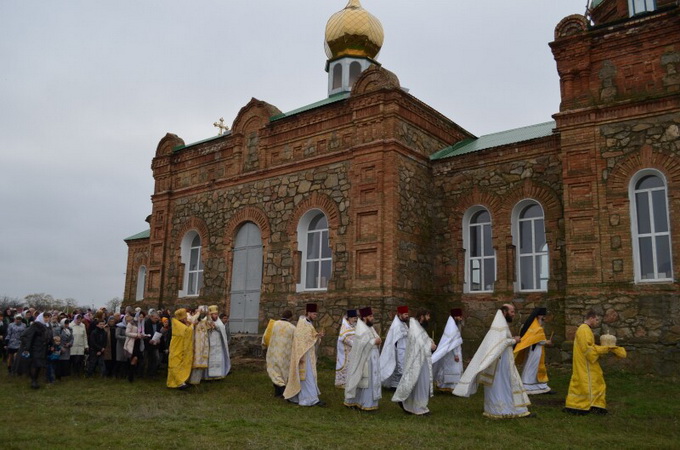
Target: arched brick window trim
320 202
330 209
247 214
243 215
624 170
550 202
196 224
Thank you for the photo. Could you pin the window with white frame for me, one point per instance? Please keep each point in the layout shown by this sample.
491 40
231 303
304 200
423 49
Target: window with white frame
193 265
141 282
532 248
315 249
650 227
480 256
640 6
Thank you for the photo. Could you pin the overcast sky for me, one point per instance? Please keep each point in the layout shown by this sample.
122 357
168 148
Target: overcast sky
88 88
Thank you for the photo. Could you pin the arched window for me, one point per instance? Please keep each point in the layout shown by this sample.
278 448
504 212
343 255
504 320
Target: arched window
193 265
337 76
354 72
480 256
315 248
532 248
650 227
141 282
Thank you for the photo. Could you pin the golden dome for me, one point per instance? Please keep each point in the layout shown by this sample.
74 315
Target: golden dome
353 32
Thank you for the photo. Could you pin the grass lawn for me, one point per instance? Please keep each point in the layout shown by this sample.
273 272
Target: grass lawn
240 412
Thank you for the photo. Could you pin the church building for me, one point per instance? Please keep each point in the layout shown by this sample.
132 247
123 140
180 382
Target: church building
370 197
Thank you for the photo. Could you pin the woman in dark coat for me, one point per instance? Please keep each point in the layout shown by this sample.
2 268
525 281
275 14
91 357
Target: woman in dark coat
34 344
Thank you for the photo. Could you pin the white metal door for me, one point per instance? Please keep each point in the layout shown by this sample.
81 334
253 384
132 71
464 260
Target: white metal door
246 280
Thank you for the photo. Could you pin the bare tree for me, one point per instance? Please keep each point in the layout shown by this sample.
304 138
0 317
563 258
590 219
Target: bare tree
113 304
70 304
41 302
10 302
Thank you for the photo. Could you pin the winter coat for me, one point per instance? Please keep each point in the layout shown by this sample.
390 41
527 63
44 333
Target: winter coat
98 341
79 339
120 343
35 340
66 343
13 338
110 350
131 333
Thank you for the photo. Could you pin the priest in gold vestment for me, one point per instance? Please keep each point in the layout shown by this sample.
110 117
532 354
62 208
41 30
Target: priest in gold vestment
201 344
587 388
302 387
181 352
278 341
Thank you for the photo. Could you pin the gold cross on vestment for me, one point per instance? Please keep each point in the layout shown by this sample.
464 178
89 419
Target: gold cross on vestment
222 127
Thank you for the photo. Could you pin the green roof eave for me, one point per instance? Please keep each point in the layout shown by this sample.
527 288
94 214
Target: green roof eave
327 101
496 140
212 138
142 235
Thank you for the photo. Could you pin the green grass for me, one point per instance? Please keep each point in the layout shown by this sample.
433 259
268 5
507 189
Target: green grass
240 412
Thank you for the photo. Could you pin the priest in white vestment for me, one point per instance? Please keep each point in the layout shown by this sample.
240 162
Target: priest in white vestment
219 362
394 350
415 387
531 352
447 360
362 388
302 387
278 341
494 366
344 347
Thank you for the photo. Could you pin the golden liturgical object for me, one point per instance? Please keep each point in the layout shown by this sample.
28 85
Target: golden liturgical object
353 31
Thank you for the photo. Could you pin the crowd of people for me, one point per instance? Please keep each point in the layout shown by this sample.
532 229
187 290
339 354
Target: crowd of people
194 344
128 344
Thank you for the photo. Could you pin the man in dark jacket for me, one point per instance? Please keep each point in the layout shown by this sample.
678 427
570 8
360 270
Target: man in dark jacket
98 343
152 325
34 343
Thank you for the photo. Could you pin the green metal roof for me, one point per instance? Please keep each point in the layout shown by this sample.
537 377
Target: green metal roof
143 235
211 138
327 101
496 140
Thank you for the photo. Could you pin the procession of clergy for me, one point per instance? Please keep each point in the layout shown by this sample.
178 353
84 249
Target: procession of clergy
410 363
